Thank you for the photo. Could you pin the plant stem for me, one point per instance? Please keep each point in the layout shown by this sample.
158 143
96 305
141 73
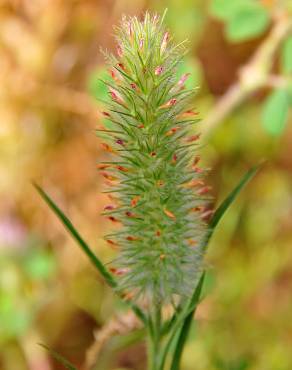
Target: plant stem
155 339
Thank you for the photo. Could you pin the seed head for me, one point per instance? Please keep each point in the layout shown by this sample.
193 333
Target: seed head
157 184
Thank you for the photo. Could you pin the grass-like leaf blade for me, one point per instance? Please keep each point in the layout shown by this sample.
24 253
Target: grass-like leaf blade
220 211
86 249
184 331
223 207
76 236
67 365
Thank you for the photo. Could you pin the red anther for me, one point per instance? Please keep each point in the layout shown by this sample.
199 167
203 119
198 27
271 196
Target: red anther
109 208
183 79
197 209
141 126
118 272
121 66
204 190
170 103
122 169
207 215
120 142
172 131
193 138
112 243
192 242
113 219
114 76
169 214
188 113
108 176
164 42
106 114
114 95
174 159
162 257
158 233
133 86
129 214
102 166
134 201
153 154
106 147
158 70
196 160
131 238
160 183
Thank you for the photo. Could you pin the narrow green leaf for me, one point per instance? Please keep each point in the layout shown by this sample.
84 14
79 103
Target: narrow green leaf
286 56
184 331
83 245
76 236
220 211
59 358
183 334
275 112
187 314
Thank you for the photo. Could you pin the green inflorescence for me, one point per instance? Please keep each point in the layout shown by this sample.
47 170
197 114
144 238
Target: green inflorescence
156 184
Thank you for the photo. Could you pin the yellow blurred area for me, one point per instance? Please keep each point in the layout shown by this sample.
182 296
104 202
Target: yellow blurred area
49 63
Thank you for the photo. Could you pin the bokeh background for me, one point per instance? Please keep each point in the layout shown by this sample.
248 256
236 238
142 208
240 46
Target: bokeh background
50 61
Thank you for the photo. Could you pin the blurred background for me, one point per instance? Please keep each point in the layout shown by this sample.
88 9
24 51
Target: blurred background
50 61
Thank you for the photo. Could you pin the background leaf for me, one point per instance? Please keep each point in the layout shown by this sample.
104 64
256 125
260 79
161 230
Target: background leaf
226 9
247 23
275 112
286 56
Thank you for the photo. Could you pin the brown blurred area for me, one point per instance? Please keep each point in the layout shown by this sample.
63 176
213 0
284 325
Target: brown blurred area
49 293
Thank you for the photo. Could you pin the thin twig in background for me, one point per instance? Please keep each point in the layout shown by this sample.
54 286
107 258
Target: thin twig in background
121 325
255 75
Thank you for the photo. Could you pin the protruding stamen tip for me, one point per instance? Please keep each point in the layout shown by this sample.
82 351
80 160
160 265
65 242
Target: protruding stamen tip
164 42
158 70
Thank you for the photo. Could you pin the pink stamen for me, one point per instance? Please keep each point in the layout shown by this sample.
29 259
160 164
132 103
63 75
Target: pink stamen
183 79
119 51
158 70
164 42
120 142
170 103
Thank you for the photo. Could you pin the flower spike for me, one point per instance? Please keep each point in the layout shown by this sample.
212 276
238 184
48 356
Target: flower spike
157 185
